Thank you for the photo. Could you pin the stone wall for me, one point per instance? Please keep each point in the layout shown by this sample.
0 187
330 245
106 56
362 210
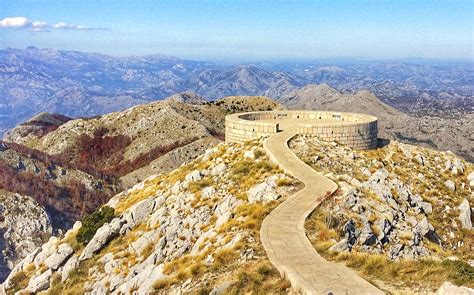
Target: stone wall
355 130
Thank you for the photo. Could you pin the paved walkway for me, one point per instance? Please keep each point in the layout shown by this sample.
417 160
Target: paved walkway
283 234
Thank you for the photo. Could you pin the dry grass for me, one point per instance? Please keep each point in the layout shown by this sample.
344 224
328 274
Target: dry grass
284 182
259 278
412 273
224 257
19 282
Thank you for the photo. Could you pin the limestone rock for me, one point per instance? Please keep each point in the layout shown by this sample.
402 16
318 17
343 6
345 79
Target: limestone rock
68 266
140 211
455 165
103 235
427 230
470 179
193 176
59 257
263 192
47 249
249 155
24 226
420 159
465 214
40 282
448 288
208 192
219 169
342 245
223 219
450 185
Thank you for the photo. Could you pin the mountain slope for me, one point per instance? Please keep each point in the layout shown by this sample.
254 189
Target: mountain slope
200 221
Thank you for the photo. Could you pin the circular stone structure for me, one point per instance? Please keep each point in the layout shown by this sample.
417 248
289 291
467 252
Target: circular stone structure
358 131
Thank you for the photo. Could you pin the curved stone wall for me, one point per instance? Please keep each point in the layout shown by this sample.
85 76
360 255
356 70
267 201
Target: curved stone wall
355 130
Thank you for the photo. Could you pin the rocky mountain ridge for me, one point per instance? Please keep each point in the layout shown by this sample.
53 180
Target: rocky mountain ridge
83 84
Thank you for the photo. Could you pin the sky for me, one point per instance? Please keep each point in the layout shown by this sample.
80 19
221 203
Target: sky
244 29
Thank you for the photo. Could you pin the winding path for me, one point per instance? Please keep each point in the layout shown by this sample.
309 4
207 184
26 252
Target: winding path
283 234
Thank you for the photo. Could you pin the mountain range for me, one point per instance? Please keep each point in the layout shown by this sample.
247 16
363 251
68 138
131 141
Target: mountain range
78 84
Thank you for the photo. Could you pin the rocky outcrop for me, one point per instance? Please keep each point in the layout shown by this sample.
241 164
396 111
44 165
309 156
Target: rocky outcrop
24 225
395 200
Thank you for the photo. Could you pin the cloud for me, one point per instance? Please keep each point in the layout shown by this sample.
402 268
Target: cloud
15 22
21 22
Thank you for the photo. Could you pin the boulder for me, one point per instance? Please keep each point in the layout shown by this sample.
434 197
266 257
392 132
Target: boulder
427 207
450 185
68 267
40 282
208 154
420 159
47 249
350 233
227 205
141 211
367 237
470 179
264 192
193 176
342 245
448 288
59 257
219 169
465 214
208 192
427 230
395 250
249 155
103 235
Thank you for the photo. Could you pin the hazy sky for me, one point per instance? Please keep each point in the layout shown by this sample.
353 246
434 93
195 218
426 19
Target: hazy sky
244 30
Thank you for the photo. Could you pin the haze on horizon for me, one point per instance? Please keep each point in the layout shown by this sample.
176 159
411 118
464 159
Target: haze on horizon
244 30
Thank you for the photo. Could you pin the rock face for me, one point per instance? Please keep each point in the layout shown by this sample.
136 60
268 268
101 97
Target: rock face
24 225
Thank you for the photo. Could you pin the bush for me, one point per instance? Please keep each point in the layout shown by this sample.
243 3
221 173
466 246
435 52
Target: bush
91 223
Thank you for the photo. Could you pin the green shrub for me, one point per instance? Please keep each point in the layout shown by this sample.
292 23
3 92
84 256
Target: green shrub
91 223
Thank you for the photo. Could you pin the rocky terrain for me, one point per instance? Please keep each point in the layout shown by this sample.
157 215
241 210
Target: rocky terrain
73 166
453 134
396 204
24 226
195 229
80 84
